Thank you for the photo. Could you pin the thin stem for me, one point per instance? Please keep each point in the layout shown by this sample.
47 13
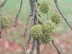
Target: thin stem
37 12
27 25
0 17
18 13
47 16
0 2
3 3
56 47
24 45
33 46
38 47
62 14
28 41
40 22
49 10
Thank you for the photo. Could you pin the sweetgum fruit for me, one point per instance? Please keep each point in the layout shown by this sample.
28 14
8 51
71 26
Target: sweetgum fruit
56 18
36 31
46 39
4 22
44 7
48 27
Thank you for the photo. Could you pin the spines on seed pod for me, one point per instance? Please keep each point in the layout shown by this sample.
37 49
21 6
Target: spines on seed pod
48 27
4 22
46 39
44 7
56 18
36 31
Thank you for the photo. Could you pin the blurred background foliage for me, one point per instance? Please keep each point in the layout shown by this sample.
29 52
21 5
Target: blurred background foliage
12 36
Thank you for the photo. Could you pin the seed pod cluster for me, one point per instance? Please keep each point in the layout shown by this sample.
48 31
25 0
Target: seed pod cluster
43 32
36 31
44 7
56 18
47 28
4 22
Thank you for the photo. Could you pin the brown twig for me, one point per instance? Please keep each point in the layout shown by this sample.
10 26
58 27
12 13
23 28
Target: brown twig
33 22
27 25
34 19
62 14
0 21
31 5
18 13
38 14
38 47
3 3
56 47
38 3
25 34
40 22
29 36
27 43
33 46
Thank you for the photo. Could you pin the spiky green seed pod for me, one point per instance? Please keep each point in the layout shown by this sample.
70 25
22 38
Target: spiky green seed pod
46 39
44 7
4 22
48 27
36 31
56 18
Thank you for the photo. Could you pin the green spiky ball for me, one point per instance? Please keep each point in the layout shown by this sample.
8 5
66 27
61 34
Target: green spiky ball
36 31
44 7
46 39
4 22
56 18
48 27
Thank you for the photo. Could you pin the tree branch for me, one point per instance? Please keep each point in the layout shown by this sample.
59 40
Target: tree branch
62 13
32 5
29 36
18 13
33 46
27 25
3 3
38 3
0 21
34 19
27 43
38 47
56 47
40 22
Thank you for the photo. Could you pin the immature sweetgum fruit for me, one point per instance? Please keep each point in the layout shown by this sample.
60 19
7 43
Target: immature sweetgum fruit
44 7
48 27
56 18
46 39
4 22
36 31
